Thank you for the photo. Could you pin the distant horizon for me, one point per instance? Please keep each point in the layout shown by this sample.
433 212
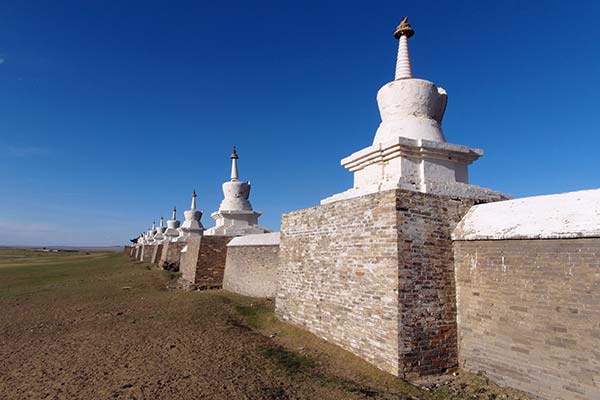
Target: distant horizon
113 113
59 247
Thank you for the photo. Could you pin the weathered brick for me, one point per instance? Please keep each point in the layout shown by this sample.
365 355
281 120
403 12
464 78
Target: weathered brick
531 324
203 262
252 270
375 275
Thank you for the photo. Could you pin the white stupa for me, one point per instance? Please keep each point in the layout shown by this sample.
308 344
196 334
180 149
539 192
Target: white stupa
409 150
171 233
140 239
159 236
149 236
235 216
191 225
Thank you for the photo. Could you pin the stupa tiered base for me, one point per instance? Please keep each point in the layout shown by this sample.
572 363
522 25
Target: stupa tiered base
414 164
236 223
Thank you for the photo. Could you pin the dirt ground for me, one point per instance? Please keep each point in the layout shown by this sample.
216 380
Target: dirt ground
99 326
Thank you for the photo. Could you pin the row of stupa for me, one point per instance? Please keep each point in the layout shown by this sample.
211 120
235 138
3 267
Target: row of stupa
235 216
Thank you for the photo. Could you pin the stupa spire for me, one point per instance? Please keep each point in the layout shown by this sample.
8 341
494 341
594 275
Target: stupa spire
174 215
193 206
162 222
403 32
234 170
153 226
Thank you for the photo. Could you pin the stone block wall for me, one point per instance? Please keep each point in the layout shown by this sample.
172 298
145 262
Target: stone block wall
203 262
251 270
157 253
529 314
147 251
375 275
170 256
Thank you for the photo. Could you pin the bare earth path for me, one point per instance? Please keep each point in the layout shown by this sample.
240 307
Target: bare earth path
98 326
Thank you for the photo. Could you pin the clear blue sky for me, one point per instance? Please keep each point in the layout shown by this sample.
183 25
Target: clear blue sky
111 112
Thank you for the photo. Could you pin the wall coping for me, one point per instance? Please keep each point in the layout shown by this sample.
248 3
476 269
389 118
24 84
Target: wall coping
259 239
556 216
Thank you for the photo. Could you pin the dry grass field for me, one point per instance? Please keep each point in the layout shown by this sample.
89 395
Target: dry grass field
98 326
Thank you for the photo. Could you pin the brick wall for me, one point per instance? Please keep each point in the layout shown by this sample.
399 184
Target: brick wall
147 251
203 263
427 295
374 274
252 270
156 253
171 255
529 314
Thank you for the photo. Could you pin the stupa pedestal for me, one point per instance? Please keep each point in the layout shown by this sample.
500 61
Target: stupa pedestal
414 164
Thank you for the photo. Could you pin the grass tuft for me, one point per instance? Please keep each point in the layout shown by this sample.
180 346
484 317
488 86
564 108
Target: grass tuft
257 316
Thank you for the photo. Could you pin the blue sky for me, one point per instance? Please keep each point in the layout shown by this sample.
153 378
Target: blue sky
111 112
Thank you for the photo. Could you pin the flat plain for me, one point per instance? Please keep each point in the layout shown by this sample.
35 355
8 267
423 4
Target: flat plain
96 325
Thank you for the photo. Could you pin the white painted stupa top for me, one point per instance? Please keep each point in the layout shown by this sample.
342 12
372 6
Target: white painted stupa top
235 192
556 216
409 107
173 223
192 216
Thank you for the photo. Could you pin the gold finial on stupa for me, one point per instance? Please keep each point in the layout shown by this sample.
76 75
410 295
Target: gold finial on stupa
404 29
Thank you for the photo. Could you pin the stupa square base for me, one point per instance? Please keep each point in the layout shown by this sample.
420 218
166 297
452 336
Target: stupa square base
414 164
